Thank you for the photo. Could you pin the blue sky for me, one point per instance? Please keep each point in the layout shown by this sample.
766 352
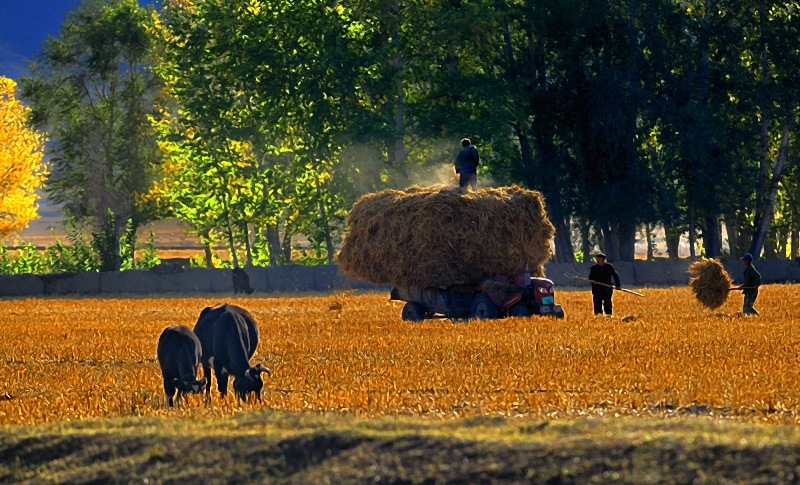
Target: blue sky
24 25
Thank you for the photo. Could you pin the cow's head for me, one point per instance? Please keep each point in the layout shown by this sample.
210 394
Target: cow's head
250 383
187 386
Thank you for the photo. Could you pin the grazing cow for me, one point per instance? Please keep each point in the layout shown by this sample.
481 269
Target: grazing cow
251 383
223 330
241 282
179 356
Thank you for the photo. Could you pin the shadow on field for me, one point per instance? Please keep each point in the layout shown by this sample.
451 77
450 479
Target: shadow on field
349 456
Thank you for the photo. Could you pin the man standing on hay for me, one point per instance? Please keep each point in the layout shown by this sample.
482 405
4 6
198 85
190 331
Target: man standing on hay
467 165
602 273
752 280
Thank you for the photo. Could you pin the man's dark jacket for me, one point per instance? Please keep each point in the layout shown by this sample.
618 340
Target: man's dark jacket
467 158
603 274
752 280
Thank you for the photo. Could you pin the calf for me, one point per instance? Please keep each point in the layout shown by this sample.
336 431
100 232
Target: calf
179 353
241 282
216 347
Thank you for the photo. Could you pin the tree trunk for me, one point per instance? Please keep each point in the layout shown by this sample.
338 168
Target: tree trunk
627 242
692 236
274 244
732 227
564 253
229 231
610 247
248 252
648 234
672 235
208 255
586 245
794 244
287 248
770 247
323 216
765 213
711 237
118 230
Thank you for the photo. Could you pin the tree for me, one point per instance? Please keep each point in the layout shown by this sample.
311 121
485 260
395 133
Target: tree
261 87
91 91
22 171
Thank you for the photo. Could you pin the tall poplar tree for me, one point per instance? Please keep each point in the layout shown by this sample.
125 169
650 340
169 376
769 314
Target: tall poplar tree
90 89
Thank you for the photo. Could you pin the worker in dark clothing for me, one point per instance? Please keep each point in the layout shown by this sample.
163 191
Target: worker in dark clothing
602 272
752 280
467 165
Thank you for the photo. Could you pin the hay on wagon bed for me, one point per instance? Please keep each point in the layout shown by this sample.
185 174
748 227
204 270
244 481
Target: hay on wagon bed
711 284
438 236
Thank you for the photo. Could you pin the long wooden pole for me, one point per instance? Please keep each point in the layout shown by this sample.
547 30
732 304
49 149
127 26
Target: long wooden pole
605 284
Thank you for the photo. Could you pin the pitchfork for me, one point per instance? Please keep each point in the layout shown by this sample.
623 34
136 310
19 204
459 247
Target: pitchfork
574 275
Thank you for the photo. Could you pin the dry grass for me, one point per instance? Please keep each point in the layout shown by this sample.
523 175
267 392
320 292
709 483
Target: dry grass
710 283
391 236
70 359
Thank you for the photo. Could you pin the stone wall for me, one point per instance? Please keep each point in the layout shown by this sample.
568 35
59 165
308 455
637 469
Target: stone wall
290 279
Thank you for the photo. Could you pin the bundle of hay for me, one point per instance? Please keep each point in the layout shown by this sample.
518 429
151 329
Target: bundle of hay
711 283
439 236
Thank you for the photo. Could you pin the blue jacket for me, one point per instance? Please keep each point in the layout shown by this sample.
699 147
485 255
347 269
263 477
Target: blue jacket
467 159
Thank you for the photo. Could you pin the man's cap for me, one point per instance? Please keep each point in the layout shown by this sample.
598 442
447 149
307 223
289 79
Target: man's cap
600 255
747 257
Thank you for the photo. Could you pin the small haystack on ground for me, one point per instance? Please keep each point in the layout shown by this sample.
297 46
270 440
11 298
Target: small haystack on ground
711 283
438 236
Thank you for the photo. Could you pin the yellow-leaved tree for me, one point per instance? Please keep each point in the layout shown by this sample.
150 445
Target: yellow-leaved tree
22 168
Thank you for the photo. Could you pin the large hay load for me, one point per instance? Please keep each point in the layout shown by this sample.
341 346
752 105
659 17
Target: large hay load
711 284
438 236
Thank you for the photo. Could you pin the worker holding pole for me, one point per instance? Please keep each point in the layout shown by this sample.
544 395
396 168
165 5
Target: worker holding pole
600 274
752 280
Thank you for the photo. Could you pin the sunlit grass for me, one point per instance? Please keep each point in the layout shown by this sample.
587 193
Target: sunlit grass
664 355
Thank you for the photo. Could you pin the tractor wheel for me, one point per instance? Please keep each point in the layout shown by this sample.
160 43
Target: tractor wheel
560 314
413 312
519 310
484 307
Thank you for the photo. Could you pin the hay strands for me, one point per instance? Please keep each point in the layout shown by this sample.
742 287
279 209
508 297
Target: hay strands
575 276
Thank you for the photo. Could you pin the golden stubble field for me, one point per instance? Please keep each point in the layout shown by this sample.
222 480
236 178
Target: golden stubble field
663 355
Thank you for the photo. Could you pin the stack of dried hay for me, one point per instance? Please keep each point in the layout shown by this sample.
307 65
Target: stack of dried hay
438 236
711 284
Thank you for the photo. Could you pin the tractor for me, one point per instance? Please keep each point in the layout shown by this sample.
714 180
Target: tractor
497 297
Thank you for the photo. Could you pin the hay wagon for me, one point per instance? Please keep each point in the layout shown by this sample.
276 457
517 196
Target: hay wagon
498 297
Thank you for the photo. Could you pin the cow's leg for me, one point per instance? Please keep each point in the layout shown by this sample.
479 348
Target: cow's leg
222 379
207 375
169 390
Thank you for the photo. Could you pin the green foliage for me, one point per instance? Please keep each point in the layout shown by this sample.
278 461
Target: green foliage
106 244
127 246
75 257
27 260
90 90
276 116
148 254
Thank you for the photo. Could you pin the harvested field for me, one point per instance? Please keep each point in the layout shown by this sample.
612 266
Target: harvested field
72 359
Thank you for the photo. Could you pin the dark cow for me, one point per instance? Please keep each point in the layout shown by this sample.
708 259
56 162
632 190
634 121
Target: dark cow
251 383
179 356
229 337
241 282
